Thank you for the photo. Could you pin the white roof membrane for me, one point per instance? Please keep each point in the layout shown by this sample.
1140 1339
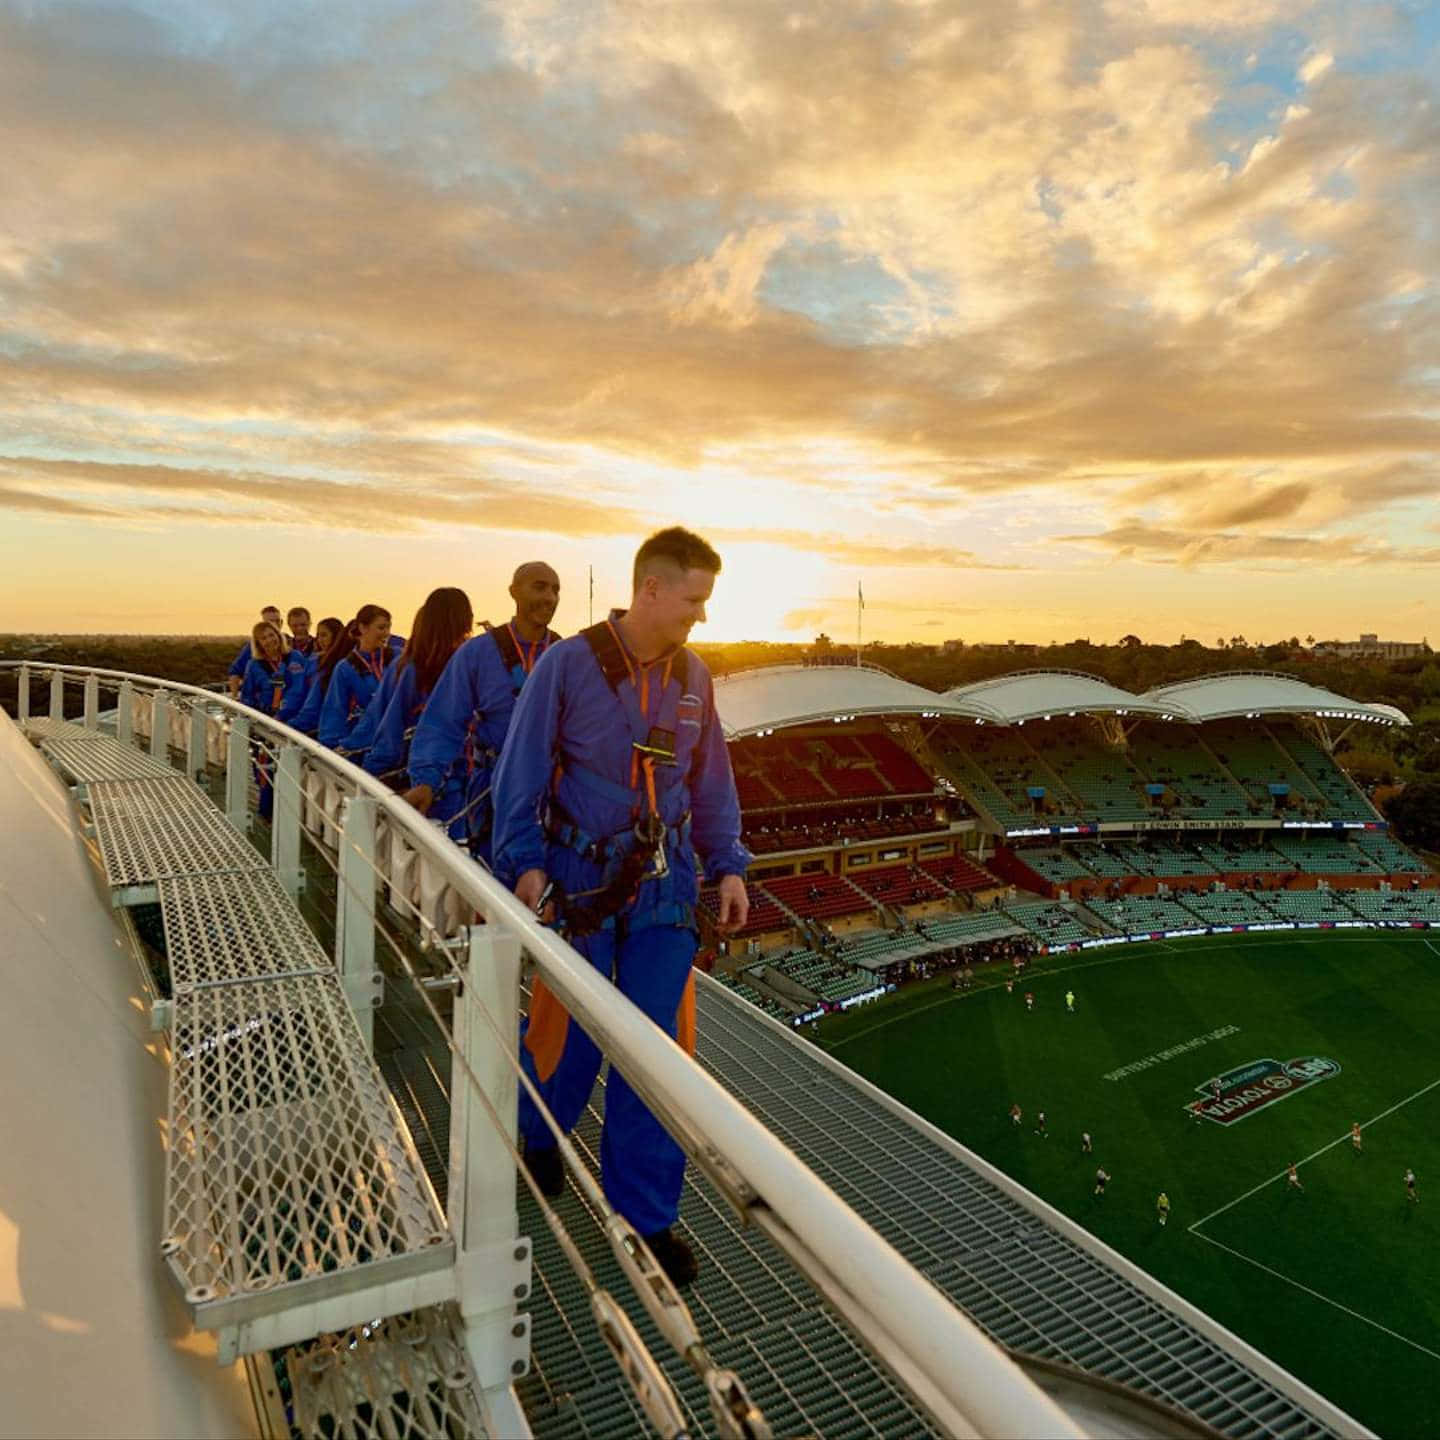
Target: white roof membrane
1218 697
752 701
1046 694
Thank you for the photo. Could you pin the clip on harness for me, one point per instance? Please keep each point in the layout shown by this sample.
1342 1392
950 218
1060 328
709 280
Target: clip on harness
646 858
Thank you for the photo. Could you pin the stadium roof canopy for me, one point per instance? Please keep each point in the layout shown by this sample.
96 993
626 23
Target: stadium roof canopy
1045 694
753 702
1254 693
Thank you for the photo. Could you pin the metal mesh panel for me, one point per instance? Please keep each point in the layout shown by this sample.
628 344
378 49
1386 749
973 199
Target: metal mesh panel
229 927
100 758
148 829
287 1159
404 1376
42 727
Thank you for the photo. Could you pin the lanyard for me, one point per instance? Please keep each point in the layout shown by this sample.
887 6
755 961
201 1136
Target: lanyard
528 653
376 666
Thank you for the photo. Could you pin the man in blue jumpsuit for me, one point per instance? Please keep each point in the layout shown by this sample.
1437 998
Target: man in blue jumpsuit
466 718
615 742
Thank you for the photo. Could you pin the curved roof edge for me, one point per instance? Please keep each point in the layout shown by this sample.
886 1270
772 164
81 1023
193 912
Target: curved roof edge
754 702
1045 694
1252 693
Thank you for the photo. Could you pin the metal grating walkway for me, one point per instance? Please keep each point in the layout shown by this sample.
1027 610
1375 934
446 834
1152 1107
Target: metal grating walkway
42 727
150 829
288 1162
98 757
408 1375
227 927
1026 1285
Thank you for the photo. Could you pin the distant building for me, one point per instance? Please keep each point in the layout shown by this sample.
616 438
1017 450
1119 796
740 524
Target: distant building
1372 647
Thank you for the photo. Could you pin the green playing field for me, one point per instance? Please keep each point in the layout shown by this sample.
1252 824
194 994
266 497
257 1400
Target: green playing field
1338 1282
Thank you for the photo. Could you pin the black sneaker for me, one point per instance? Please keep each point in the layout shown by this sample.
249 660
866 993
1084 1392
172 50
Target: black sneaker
676 1258
546 1168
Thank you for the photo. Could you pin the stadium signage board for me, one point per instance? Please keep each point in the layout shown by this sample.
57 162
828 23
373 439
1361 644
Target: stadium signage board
1248 1088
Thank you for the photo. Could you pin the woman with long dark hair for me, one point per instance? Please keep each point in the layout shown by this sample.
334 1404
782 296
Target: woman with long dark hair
355 676
442 624
328 637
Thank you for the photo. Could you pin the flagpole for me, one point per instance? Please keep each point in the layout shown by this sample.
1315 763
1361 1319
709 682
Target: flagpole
859 620
592 595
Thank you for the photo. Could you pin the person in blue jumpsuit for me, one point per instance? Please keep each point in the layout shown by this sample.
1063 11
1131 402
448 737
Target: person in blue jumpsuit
235 676
354 681
442 624
330 635
467 716
274 684
615 734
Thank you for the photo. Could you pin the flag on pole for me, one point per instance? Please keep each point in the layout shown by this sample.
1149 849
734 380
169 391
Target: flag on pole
860 590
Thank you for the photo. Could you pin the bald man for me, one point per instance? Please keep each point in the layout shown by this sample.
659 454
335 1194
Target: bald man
465 721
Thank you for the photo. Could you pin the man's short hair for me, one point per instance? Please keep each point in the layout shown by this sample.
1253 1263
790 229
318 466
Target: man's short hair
266 609
681 548
295 610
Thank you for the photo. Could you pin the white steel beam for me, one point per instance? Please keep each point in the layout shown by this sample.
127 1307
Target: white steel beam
285 821
160 725
92 702
492 1259
125 713
355 913
237 774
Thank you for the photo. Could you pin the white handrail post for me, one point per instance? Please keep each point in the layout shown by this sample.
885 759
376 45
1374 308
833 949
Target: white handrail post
195 760
92 702
125 713
492 1259
57 695
285 820
237 774
160 726
355 912
23 697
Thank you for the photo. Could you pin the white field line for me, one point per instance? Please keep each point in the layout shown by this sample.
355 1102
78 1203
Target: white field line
1431 944
1365 1319
1254 1189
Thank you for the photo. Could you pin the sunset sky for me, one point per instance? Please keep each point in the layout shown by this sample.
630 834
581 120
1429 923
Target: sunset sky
1042 319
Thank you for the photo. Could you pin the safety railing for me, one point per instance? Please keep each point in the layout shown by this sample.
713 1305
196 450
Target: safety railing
377 844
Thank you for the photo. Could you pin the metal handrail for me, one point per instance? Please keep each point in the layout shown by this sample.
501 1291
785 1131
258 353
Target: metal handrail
967 1384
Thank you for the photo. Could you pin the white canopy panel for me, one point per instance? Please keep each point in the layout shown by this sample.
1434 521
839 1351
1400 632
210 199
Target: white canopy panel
753 701
1046 694
1250 693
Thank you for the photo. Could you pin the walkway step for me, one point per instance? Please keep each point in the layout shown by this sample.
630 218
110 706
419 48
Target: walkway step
149 830
289 1168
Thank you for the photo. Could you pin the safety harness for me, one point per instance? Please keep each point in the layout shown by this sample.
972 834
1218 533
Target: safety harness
362 666
519 659
640 848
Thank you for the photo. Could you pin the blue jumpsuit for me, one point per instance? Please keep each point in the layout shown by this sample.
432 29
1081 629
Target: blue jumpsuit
463 728
307 718
570 757
278 691
402 708
353 683
362 732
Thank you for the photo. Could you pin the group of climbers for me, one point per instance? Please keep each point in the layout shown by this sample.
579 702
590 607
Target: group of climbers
591 774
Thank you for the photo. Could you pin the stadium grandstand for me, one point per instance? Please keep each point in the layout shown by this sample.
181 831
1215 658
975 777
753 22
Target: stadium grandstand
895 829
